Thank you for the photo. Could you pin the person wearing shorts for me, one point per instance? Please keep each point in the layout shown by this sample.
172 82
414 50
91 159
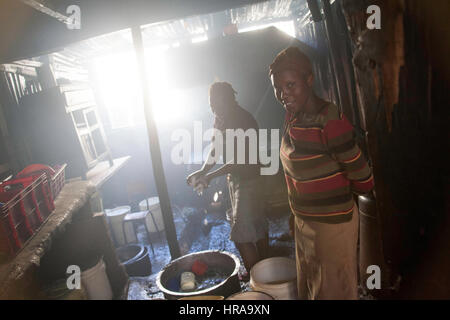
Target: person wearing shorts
249 227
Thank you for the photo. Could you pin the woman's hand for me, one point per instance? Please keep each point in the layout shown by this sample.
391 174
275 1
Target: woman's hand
203 180
193 178
201 183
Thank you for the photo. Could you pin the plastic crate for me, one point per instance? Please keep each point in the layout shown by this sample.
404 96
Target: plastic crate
58 180
27 203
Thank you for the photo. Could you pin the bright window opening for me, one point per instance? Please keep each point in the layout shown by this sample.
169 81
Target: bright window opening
285 26
119 85
200 39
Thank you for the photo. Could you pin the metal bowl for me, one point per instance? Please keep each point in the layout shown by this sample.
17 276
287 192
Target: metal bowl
136 260
214 259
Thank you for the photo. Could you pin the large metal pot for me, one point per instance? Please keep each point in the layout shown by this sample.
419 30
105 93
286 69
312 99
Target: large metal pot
371 245
214 259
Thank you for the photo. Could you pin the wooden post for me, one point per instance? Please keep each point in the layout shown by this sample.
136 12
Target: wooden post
155 151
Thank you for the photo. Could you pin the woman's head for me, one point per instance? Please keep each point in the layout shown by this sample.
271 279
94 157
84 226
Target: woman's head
221 97
292 79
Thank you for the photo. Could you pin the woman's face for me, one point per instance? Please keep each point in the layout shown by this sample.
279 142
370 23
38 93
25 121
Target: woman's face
292 89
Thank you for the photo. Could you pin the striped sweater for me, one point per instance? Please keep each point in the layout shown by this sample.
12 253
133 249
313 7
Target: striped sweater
323 166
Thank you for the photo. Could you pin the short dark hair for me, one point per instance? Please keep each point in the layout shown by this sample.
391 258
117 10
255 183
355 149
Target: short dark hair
223 89
291 58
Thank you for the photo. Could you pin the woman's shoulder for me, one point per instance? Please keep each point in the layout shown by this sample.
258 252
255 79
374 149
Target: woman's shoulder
247 120
330 112
334 121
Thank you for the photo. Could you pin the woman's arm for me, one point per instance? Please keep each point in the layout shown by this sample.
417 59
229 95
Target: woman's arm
208 165
343 147
225 169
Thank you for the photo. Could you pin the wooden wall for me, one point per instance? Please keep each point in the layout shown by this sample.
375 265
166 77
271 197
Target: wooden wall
16 80
402 73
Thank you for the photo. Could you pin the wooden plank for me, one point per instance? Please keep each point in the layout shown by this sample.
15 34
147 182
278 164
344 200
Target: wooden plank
155 150
11 86
72 197
79 106
23 70
102 172
19 85
28 63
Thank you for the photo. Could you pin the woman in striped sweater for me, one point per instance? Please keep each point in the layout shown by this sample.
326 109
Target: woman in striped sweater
323 166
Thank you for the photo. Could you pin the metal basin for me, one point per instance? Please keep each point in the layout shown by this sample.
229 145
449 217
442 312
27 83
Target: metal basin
215 260
136 260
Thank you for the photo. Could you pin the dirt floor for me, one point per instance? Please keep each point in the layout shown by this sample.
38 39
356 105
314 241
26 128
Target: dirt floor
214 235
198 230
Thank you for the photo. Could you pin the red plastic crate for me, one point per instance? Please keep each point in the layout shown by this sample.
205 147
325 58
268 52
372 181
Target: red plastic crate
58 180
27 203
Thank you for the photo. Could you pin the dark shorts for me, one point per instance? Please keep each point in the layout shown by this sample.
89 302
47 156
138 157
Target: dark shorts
248 220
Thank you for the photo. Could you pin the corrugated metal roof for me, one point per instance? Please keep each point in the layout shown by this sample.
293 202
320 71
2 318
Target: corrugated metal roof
184 30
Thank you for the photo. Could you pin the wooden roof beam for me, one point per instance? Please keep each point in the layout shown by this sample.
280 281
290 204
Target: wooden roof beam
41 7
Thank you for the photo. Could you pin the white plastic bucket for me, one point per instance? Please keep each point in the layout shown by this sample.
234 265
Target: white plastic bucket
155 208
203 298
250 295
96 283
275 276
115 217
